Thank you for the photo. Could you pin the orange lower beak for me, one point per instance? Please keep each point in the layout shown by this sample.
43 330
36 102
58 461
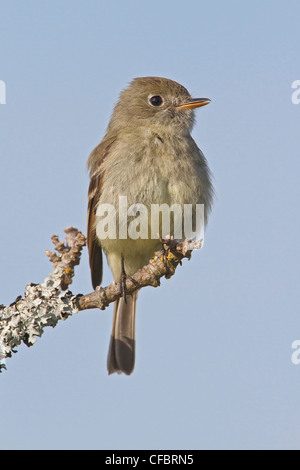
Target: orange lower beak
194 103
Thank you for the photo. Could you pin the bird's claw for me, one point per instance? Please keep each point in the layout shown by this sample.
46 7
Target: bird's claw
123 279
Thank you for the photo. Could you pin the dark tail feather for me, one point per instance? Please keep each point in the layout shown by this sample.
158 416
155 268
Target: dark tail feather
121 353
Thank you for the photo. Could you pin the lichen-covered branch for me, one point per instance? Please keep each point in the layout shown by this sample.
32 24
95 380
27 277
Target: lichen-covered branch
42 304
45 304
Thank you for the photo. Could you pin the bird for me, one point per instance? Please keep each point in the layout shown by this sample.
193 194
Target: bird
148 156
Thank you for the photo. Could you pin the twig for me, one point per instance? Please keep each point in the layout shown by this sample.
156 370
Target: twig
45 304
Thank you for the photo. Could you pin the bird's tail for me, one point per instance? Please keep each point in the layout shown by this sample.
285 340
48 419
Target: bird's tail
121 353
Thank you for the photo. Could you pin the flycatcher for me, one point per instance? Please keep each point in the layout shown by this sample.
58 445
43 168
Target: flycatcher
149 156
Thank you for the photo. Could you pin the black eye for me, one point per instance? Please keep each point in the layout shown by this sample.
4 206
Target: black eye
156 100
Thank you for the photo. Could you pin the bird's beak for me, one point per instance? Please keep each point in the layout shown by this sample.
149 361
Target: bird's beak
194 103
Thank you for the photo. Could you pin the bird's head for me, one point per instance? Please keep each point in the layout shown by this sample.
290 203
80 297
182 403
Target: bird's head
155 102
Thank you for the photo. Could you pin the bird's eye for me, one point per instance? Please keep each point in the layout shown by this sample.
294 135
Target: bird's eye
156 100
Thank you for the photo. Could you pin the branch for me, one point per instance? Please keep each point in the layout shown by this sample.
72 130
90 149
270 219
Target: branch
45 304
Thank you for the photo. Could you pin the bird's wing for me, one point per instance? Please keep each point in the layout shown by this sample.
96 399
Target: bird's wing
95 253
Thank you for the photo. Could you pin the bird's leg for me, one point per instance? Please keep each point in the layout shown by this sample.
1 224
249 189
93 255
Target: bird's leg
123 279
166 244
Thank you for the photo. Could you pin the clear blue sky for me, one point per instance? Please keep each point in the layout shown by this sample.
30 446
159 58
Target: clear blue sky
213 367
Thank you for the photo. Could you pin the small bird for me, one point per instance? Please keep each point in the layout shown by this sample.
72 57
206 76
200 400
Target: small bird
149 156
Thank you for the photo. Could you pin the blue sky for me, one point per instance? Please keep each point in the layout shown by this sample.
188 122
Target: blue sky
213 367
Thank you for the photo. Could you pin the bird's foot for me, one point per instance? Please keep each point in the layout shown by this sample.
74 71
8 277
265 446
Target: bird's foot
167 254
123 279
166 245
